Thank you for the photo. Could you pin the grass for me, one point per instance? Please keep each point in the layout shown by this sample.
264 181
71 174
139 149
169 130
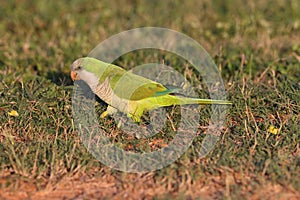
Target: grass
256 48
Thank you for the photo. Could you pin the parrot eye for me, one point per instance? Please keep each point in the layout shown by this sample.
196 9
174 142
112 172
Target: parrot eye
79 67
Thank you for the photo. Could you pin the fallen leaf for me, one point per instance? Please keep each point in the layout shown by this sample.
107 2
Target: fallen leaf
13 113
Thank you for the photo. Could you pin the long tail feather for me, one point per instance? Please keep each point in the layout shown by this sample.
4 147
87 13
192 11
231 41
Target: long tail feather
169 100
186 100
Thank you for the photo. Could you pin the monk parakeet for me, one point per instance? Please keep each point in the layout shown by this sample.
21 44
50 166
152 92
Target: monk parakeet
127 92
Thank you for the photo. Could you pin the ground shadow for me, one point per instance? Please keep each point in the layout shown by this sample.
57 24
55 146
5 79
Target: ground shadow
59 78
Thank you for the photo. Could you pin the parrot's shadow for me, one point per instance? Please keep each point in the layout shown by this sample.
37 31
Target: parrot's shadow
63 79
59 78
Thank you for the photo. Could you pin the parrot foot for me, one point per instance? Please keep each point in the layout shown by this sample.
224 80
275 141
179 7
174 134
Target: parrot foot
109 111
104 114
135 118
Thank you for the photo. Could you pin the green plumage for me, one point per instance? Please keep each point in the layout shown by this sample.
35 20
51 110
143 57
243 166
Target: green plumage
128 92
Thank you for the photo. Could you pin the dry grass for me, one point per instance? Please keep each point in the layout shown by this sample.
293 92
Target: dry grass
255 47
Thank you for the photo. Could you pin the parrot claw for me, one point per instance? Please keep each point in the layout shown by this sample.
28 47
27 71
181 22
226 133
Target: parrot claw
104 114
109 111
134 117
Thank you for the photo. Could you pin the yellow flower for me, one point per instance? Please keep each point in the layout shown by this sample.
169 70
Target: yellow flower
273 130
13 113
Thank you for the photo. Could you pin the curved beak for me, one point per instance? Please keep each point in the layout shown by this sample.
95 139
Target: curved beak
74 76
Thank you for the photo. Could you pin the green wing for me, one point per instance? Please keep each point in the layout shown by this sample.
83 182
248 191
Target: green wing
130 86
125 84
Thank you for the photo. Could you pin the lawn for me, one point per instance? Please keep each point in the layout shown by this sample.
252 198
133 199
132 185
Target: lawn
256 47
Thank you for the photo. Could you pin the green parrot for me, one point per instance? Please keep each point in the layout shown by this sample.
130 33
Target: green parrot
127 92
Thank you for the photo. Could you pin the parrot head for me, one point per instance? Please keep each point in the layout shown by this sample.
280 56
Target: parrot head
75 69
85 70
